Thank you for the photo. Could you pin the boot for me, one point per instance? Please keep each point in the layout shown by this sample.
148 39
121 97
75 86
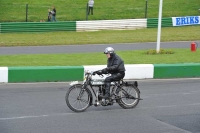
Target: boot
107 90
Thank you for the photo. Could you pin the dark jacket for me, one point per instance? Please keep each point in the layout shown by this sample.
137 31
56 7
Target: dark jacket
49 17
54 12
115 64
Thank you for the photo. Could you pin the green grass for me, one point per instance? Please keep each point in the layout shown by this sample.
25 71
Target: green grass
187 33
72 10
129 57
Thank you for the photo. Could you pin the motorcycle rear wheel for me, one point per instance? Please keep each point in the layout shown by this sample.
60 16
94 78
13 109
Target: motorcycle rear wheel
129 97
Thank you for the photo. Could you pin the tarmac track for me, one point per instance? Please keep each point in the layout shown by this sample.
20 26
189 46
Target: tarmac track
169 106
89 48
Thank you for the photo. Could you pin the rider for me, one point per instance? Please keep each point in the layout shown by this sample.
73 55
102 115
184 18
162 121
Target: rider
115 66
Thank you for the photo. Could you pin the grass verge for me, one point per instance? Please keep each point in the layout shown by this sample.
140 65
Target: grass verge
186 33
129 57
69 10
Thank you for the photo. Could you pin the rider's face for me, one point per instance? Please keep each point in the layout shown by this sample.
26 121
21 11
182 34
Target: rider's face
108 55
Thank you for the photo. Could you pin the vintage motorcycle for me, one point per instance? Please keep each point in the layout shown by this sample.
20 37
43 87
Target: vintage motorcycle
81 96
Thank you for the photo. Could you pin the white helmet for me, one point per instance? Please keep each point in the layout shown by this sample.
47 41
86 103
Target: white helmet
109 50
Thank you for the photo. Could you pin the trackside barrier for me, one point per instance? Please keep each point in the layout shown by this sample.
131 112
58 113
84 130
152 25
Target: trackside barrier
136 71
45 73
153 22
4 74
71 73
10 27
174 21
185 70
94 25
186 20
124 24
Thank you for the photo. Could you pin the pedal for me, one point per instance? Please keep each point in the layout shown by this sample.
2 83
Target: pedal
96 103
110 103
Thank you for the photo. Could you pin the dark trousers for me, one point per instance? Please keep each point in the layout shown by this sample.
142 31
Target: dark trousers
49 18
90 9
113 77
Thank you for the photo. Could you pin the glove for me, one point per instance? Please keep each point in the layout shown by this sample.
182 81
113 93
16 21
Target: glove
99 72
105 70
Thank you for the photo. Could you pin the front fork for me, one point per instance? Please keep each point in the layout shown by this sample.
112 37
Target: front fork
97 103
84 88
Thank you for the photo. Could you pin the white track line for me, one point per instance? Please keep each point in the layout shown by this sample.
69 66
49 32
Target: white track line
37 116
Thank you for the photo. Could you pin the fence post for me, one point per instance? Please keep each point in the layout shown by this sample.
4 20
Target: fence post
87 11
146 9
26 12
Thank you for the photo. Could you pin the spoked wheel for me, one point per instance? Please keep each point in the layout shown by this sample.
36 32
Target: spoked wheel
129 97
77 98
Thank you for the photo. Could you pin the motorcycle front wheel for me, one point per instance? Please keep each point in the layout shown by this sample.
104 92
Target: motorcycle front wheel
77 98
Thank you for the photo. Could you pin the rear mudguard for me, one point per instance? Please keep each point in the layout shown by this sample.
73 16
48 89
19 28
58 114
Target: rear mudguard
134 84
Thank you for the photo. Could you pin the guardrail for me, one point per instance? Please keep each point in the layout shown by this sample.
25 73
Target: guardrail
37 26
124 24
153 22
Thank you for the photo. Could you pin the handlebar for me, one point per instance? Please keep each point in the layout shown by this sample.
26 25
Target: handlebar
94 73
97 72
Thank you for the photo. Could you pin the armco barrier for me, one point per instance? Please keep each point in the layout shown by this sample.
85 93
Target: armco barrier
73 25
153 22
124 24
71 73
93 25
37 26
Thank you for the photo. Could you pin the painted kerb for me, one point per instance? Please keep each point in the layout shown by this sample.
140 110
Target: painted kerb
45 74
187 70
133 71
71 73
4 74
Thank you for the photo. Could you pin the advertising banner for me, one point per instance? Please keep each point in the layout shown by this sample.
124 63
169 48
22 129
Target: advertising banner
188 20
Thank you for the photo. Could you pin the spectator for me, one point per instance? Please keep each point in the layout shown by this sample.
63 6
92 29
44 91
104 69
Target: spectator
53 12
90 4
49 15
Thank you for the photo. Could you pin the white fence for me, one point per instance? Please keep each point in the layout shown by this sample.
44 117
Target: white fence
124 24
